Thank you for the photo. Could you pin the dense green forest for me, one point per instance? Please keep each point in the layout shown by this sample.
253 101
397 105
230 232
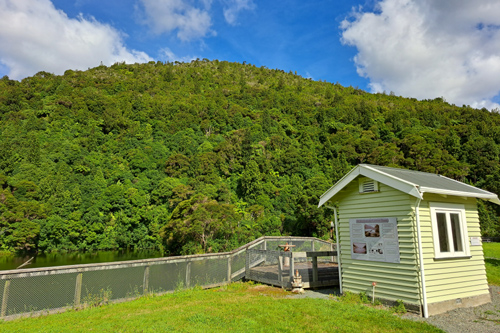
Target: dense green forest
205 156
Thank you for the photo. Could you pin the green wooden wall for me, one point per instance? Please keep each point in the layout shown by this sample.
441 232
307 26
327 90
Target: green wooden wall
448 279
394 280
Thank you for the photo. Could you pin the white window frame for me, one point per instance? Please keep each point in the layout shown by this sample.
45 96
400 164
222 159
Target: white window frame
447 208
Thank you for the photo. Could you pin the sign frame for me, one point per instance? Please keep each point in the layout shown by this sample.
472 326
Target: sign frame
375 239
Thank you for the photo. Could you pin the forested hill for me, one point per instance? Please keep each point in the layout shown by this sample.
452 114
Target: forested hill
204 156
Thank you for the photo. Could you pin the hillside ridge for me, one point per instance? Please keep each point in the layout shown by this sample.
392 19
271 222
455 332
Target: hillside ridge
205 156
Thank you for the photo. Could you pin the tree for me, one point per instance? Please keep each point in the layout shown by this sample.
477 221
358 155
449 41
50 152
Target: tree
200 220
251 181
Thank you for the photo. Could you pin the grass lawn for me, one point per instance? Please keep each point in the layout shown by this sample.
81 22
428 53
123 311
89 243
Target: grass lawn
492 262
491 250
239 307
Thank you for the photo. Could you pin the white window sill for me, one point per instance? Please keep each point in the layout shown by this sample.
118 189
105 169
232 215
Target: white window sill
453 257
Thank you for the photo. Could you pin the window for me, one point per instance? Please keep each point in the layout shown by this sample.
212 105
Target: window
449 230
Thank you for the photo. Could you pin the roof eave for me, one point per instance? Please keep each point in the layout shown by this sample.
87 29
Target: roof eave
495 200
486 196
343 182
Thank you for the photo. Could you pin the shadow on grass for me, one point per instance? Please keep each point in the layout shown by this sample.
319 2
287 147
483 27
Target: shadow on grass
493 261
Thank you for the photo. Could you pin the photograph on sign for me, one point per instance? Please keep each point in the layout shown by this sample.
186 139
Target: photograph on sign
359 248
377 248
372 230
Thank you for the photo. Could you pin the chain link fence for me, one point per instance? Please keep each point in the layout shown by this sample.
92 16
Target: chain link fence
52 289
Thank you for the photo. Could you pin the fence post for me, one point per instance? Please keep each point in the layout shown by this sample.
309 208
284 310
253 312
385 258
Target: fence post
291 267
280 268
315 268
247 264
188 274
78 289
6 288
333 257
145 280
312 245
229 260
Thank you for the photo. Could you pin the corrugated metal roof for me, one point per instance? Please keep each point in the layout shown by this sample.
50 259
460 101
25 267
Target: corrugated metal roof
428 180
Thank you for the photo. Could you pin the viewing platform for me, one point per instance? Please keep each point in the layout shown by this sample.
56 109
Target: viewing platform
277 268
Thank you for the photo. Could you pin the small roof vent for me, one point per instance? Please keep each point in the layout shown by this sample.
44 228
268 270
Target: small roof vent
367 185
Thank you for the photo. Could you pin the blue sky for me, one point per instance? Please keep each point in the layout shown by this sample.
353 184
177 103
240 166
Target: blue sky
301 36
422 49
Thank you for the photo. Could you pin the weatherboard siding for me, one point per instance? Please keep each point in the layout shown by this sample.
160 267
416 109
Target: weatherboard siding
448 279
394 280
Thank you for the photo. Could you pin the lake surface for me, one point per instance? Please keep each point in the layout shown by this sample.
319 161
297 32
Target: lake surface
75 258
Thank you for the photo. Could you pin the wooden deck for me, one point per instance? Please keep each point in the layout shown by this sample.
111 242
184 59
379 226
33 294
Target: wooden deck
327 274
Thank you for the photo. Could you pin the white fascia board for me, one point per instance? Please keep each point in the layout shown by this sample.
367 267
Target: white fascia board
495 200
397 183
490 197
456 193
343 182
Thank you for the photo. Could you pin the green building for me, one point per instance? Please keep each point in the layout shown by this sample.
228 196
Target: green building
415 234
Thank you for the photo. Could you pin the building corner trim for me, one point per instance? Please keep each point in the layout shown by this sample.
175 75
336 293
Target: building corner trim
421 258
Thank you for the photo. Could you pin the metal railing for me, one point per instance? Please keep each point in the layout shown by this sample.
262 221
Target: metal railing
277 268
53 289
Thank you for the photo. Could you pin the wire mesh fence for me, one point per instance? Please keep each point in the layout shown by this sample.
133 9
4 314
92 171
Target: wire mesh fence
262 267
36 293
38 290
168 277
238 265
209 272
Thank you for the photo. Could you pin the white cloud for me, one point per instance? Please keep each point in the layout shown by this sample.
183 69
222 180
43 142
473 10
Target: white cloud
35 36
167 55
190 21
427 49
233 7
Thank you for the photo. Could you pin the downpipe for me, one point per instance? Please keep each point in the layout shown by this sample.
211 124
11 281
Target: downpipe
421 257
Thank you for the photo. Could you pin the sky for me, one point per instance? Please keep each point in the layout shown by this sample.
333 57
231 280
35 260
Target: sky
414 48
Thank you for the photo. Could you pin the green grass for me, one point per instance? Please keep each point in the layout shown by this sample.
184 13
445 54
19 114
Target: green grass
492 262
492 271
491 250
239 307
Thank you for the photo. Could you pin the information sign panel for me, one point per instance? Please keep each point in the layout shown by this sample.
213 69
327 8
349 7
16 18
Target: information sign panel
375 239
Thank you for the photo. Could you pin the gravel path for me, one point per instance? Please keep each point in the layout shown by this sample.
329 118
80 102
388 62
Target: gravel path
477 319
480 319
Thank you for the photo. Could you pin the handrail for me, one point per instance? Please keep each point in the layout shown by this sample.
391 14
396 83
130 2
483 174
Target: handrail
26 272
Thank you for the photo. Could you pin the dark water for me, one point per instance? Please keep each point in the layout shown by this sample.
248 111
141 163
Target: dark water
75 258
